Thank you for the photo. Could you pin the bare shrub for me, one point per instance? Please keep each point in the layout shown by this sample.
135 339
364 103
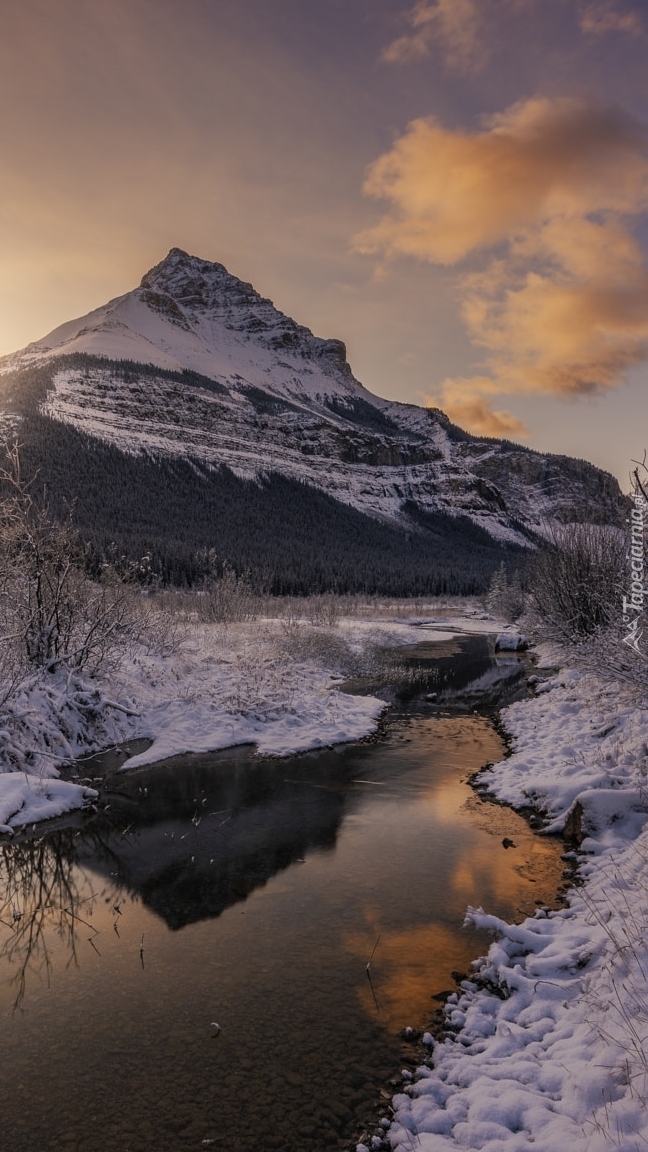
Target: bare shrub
325 610
228 596
605 651
299 641
50 611
13 668
375 661
576 581
162 630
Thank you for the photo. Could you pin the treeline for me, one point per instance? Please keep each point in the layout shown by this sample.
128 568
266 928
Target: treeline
292 538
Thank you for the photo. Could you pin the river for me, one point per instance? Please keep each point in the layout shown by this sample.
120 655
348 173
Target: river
228 956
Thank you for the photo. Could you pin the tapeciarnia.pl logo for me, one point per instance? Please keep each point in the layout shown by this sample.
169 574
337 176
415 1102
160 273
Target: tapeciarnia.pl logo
633 605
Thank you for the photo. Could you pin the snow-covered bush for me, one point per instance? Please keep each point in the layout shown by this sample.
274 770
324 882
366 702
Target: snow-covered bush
229 595
505 598
50 611
575 582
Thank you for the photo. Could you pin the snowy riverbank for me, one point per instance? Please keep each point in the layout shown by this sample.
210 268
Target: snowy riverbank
548 1044
268 682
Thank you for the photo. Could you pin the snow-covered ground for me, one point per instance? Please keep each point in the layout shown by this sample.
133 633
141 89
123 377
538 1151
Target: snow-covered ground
268 682
547 1044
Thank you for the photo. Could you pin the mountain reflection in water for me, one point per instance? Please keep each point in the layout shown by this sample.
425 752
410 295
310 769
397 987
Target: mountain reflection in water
205 833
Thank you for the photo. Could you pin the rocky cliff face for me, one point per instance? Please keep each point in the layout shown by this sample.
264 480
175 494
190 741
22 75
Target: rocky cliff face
196 364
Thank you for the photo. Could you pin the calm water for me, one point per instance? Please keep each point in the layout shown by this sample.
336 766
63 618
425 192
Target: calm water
252 894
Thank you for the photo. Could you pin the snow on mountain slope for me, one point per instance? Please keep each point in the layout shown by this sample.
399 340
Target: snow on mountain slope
190 313
241 384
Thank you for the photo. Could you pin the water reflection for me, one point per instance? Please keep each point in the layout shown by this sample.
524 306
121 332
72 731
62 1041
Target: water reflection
446 667
405 967
198 834
192 841
254 892
44 898
188 843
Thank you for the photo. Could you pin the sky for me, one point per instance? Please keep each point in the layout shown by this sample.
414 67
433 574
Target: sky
458 189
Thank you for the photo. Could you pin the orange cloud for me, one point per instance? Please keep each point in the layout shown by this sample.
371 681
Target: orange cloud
459 30
470 411
454 24
456 191
603 16
553 335
563 306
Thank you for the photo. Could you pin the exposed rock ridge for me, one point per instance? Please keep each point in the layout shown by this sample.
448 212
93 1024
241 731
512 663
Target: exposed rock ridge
186 289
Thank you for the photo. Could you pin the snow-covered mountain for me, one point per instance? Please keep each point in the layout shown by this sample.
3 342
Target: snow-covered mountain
191 314
195 364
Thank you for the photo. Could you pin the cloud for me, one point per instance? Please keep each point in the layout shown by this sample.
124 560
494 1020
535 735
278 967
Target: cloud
453 24
457 191
544 189
483 421
602 16
572 329
461 400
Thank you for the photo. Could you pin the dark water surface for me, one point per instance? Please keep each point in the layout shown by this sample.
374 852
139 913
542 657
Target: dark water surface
251 894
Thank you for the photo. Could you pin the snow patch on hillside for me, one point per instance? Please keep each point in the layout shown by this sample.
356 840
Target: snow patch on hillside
161 416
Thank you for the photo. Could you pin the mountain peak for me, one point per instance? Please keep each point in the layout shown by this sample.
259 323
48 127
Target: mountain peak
178 263
196 283
190 291
192 313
